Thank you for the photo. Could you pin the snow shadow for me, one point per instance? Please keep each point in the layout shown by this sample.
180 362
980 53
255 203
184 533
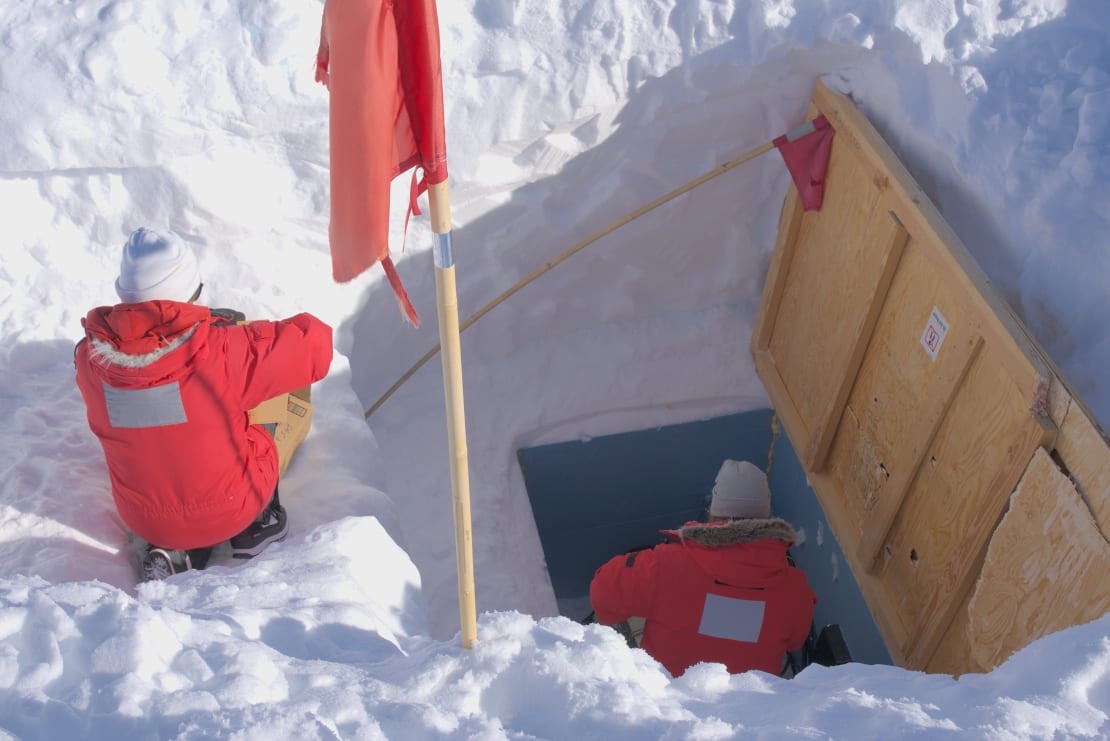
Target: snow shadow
602 343
337 642
53 482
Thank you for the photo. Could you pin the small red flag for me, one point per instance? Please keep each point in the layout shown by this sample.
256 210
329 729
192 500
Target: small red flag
806 153
380 61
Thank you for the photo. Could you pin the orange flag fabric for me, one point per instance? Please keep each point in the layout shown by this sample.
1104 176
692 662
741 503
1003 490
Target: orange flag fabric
806 153
380 60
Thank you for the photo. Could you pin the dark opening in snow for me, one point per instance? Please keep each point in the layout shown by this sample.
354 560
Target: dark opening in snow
593 499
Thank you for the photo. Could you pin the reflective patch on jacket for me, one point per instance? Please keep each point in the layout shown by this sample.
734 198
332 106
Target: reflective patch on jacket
157 406
731 618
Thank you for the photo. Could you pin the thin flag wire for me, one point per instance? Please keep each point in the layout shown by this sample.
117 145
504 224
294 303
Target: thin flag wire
809 181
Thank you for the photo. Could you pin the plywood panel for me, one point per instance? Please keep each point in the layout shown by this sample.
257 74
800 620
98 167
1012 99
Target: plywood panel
953 654
1080 443
927 563
955 502
861 312
805 351
790 222
910 455
1048 567
900 393
913 448
1085 451
1024 359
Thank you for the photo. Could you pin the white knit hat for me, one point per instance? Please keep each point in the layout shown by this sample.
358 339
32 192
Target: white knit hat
741 490
157 265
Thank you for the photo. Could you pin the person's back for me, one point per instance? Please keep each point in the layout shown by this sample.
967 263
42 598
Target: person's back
724 591
167 386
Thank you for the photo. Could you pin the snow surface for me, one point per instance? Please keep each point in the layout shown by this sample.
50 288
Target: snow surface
561 117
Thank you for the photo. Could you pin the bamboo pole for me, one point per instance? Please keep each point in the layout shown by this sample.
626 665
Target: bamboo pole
715 172
447 305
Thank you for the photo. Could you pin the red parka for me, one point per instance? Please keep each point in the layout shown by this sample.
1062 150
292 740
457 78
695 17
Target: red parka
724 592
167 390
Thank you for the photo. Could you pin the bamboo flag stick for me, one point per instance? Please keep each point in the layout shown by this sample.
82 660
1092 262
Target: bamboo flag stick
719 170
447 304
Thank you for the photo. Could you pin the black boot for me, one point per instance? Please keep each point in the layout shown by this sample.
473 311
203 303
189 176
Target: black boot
270 526
161 563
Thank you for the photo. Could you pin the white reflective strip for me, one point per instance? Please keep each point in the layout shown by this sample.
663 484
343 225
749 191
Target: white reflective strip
733 619
804 130
152 407
441 250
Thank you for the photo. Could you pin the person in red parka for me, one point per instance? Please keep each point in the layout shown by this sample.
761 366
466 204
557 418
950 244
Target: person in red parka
722 591
167 385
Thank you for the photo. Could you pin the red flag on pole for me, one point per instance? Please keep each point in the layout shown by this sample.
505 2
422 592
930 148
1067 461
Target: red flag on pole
806 153
380 62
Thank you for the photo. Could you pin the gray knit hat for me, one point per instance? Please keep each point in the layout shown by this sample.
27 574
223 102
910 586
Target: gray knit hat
741 490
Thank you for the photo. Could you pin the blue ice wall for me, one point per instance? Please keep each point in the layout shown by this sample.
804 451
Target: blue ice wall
597 498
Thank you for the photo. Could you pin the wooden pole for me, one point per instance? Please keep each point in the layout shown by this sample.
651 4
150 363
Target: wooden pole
716 171
447 305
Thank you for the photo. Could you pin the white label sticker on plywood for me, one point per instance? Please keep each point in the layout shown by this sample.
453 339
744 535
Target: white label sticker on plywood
935 331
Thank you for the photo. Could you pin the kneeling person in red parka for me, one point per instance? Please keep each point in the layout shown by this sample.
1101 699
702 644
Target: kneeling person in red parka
722 592
167 386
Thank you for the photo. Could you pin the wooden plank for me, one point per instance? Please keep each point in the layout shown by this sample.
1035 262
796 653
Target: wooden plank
1084 450
792 420
880 600
886 231
824 271
956 497
912 448
1047 568
1026 362
790 222
972 643
1004 458
891 395
911 452
953 655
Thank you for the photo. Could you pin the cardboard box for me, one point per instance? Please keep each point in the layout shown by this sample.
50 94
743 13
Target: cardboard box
292 415
270 411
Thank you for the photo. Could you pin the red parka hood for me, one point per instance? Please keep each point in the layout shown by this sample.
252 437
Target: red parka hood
137 329
768 540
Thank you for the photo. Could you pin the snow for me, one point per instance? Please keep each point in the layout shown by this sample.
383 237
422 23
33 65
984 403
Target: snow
561 117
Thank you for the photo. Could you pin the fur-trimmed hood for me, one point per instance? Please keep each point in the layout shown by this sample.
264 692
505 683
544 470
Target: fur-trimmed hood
752 551
129 343
138 329
747 530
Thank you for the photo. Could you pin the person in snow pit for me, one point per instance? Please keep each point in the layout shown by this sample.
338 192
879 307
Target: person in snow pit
167 385
722 591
